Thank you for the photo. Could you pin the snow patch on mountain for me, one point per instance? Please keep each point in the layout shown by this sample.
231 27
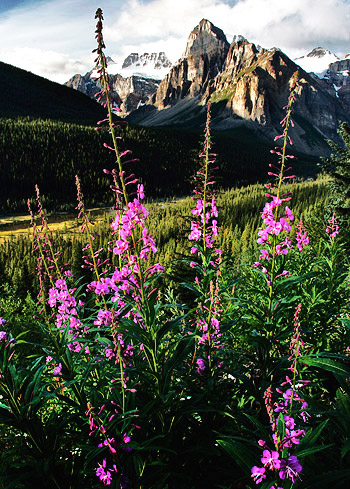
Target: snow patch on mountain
146 65
317 61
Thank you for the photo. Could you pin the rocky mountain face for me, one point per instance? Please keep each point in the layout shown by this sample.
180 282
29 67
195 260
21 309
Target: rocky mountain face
338 77
330 72
201 62
246 86
127 93
132 83
336 81
341 65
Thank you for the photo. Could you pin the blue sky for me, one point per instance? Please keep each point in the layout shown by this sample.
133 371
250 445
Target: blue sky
54 38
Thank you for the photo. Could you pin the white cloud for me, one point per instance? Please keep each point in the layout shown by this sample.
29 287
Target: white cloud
49 64
55 39
295 24
291 25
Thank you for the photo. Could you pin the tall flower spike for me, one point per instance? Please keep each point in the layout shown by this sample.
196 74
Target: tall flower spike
273 235
204 230
302 238
333 228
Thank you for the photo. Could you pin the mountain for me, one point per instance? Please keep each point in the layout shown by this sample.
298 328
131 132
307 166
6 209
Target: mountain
131 83
126 93
337 78
154 65
201 62
26 94
331 73
317 61
247 87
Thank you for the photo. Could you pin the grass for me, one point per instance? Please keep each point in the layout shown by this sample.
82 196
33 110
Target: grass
64 224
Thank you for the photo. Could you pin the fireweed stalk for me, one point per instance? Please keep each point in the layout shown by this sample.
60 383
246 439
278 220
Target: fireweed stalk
98 423
333 228
277 221
47 261
42 237
279 462
133 243
204 231
125 292
60 296
104 316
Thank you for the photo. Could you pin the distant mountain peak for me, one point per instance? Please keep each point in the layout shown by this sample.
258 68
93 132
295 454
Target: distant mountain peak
319 53
147 65
155 60
205 38
317 61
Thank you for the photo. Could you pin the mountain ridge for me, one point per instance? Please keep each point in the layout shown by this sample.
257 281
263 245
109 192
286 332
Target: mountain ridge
131 84
249 87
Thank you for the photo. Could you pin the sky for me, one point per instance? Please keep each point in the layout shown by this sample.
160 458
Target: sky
54 38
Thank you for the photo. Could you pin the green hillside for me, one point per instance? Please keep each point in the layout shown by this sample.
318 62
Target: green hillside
50 153
26 94
47 136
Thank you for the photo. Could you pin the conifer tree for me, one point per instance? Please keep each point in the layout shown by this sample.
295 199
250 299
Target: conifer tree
337 166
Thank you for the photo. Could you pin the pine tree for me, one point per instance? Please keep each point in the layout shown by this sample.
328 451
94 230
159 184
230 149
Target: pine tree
337 167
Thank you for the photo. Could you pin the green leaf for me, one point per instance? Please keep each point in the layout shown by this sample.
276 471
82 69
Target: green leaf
184 347
327 364
192 288
345 448
241 453
314 449
312 436
281 425
346 322
293 280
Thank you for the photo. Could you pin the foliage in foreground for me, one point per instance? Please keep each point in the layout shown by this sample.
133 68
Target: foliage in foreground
233 383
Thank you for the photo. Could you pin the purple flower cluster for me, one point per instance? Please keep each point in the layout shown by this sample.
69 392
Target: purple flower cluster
97 425
274 227
130 276
3 334
301 237
56 368
206 214
62 297
279 460
209 323
104 473
333 228
285 432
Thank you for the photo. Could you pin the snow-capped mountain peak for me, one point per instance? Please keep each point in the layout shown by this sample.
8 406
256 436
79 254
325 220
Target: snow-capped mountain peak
147 65
317 61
